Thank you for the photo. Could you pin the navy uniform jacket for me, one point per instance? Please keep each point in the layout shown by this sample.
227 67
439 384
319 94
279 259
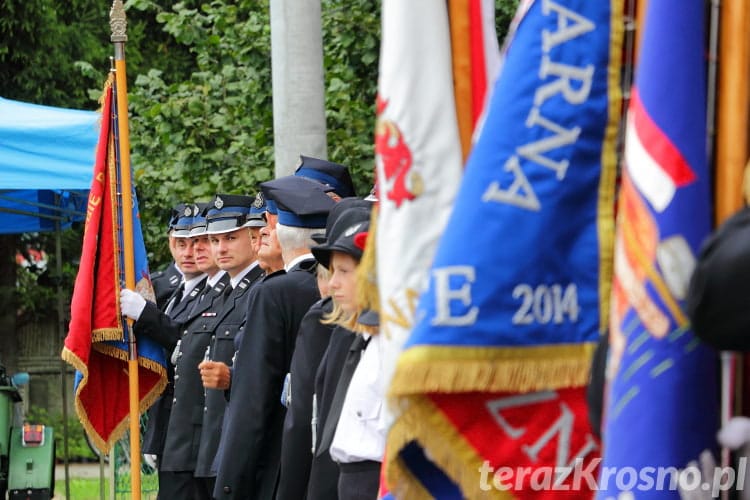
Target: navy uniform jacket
324 473
248 466
222 329
165 283
296 442
163 329
186 418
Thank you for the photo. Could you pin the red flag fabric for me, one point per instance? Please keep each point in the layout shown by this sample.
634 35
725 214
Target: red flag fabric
95 344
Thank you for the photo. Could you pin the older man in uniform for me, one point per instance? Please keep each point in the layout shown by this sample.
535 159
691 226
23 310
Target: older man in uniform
248 465
229 227
166 281
299 439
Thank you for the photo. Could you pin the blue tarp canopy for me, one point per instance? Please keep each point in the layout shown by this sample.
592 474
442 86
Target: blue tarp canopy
46 163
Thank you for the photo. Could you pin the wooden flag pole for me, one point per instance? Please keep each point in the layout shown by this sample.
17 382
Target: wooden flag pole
118 25
732 118
731 148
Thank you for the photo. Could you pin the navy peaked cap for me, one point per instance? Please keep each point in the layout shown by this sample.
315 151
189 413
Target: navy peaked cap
300 202
198 225
183 221
176 212
327 172
228 212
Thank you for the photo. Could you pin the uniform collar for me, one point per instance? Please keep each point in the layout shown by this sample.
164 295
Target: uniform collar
238 277
297 260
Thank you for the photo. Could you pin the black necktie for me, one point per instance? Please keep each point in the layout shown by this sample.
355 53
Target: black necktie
205 292
350 364
176 298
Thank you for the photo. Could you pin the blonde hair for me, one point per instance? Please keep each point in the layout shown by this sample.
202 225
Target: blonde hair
347 320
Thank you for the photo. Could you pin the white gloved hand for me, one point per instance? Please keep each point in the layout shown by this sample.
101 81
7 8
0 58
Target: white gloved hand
131 304
150 460
735 433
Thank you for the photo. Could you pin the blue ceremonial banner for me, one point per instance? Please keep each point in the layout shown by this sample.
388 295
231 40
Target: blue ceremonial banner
663 401
520 274
494 371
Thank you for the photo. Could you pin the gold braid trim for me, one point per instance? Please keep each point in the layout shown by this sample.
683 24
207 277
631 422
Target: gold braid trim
493 369
105 334
423 422
605 216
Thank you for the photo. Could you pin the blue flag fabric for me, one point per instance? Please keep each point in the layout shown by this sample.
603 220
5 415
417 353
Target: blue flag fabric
662 403
493 374
519 277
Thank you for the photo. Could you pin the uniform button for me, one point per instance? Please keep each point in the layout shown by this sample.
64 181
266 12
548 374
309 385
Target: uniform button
184 333
227 489
176 377
226 332
359 414
205 409
174 400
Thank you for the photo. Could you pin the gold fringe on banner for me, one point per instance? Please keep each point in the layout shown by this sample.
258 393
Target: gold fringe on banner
423 422
367 278
149 399
494 369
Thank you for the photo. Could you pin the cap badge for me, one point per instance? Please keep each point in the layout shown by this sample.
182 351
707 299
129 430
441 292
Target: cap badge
351 230
188 211
219 203
259 201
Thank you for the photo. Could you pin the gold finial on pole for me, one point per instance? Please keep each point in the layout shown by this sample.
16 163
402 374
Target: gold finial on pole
118 23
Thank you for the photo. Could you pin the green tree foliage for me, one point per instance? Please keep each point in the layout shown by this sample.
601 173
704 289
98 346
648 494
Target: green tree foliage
211 131
199 78
54 51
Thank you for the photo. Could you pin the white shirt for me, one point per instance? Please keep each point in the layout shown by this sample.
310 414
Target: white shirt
190 284
187 287
238 277
212 280
361 431
296 260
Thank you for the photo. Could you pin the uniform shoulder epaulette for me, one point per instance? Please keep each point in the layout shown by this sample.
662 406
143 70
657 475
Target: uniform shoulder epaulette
244 282
219 288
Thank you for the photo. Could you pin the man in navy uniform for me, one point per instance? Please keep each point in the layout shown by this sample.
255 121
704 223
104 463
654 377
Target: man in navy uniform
183 432
248 466
229 227
161 326
166 281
